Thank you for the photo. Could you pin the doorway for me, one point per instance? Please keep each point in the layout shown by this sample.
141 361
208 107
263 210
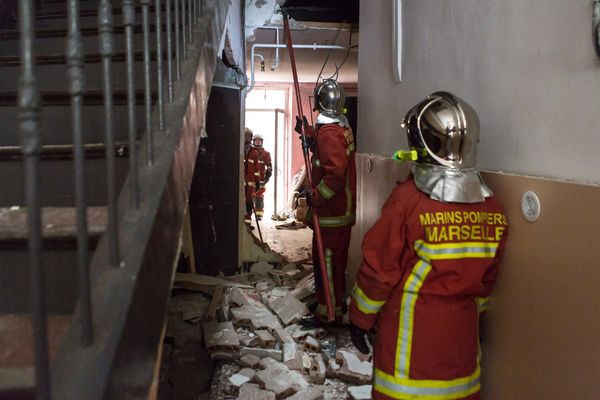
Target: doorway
267 115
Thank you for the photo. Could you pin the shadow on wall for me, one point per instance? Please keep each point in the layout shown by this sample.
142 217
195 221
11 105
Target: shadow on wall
376 178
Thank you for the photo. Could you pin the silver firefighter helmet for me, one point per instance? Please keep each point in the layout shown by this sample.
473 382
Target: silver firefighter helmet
257 140
444 130
330 98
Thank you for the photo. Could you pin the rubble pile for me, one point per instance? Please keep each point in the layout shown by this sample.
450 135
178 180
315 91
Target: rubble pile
251 330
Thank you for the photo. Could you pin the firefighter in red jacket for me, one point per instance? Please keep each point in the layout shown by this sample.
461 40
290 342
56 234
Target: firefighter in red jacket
265 169
430 262
333 194
251 173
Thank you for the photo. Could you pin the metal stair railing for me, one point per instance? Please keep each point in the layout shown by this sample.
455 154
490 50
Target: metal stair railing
110 348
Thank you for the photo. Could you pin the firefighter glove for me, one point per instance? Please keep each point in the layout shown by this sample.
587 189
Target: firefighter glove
267 176
257 186
299 122
358 336
306 193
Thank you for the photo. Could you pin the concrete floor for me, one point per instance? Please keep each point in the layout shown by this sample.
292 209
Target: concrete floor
293 245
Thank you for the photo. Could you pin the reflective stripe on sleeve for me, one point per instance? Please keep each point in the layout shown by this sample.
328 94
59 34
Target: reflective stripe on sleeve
325 191
424 389
364 303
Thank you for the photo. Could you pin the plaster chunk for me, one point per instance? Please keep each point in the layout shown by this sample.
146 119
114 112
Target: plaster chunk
312 393
221 337
251 391
249 360
255 317
353 370
360 392
262 353
288 308
280 380
267 340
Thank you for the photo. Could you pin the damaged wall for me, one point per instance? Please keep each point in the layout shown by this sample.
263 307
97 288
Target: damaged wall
528 67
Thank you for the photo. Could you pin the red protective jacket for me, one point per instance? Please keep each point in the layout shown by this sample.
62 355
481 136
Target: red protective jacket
265 166
334 176
428 269
251 167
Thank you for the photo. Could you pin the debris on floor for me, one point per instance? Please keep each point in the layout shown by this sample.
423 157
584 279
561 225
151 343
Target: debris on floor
259 349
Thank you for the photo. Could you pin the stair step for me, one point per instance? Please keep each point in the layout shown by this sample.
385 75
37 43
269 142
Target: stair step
87 12
59 226
63 98
64 151
16 358
54 59
13 34
17 383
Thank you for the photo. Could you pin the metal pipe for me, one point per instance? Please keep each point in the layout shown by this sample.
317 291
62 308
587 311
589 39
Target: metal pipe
128 12
169 54
183 29
105 30
159 65
147 84
29 105
277 59
280 46
194 12
177 42
75 74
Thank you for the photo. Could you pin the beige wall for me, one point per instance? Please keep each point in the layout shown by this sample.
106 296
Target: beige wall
542 331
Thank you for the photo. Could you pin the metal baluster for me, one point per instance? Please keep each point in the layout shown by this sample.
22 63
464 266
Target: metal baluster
194 13
128 11
169 54
183 29
105 30
190 21
76 87
177 41
147 87
29 104
159 65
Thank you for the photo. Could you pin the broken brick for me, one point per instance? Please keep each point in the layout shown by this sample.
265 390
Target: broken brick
353 370
360 392
251 391
255 317
311 344
280 380
221 337
318 370
312 393
266 338
262 353
249 360
288 308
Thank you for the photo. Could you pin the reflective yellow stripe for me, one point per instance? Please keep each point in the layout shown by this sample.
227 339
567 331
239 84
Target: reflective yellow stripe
326 192
425 389
452 251
364 303
407 314
332 222
482 303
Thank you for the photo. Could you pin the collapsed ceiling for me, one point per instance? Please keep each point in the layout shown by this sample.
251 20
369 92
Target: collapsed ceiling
313 22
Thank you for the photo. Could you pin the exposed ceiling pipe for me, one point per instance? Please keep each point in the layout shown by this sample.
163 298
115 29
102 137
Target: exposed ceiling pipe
262 61
281 46
276 60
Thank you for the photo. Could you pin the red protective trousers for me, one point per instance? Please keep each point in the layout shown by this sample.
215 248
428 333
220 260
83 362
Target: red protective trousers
333 195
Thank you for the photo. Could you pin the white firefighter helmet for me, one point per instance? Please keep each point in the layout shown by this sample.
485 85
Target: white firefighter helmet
330 98
256 137
444 130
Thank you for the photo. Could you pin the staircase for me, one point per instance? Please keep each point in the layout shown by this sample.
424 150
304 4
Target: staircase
102 103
